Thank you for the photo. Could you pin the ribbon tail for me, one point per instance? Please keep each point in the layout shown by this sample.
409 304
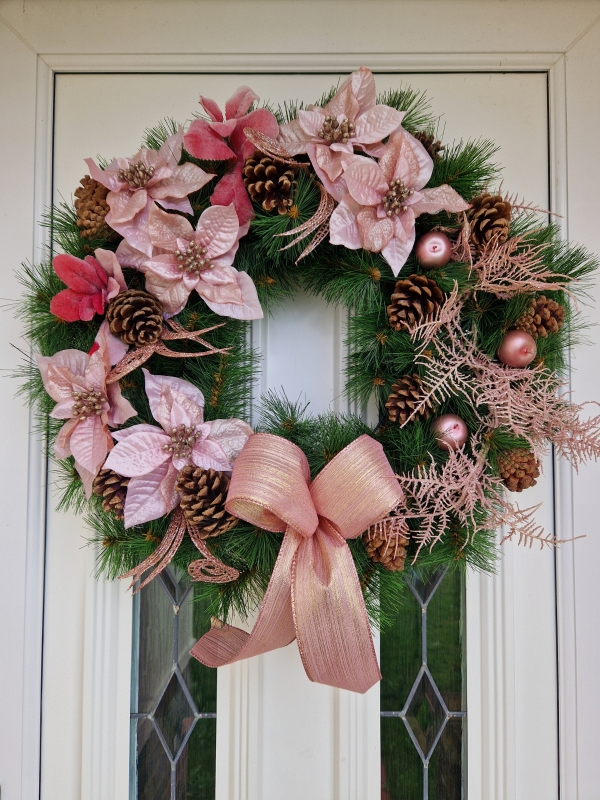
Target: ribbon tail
332 625
274 627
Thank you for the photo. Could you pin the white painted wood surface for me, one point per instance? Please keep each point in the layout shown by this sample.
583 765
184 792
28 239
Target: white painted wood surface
38 37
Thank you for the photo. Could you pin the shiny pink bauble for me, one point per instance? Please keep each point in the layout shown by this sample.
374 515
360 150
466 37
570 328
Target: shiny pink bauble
450 431
433 250
518 349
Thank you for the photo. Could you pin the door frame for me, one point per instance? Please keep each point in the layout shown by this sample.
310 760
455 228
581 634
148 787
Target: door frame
492 773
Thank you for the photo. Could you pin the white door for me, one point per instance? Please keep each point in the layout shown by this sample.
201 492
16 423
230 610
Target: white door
487 68
278 734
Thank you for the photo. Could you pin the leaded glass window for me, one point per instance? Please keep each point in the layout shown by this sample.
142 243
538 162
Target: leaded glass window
423 717
174 697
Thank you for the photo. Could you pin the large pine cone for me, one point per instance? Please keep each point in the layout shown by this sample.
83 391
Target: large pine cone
406 394
135 317
91 207
388 550
518 469
414 299
542 317
430 143
270 182
203 493
489 218
112 488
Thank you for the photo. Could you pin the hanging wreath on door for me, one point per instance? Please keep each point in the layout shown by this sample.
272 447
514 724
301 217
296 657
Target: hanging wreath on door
462 309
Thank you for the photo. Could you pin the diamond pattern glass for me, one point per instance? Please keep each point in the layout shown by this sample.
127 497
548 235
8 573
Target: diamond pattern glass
174 697
422 692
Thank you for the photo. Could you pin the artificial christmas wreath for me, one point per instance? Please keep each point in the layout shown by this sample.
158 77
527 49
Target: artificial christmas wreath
461 315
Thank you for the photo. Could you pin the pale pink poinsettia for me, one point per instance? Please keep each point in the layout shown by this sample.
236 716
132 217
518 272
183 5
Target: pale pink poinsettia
77 381
185 260
222 138
149 175
351 119
152 457
383 200
91 282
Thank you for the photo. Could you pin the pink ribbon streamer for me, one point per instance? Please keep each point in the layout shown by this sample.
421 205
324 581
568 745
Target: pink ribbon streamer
314 594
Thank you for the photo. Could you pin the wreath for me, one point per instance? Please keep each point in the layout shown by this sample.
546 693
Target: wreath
462 311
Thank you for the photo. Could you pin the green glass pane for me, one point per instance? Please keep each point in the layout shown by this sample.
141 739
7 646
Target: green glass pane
156 620
196 767
401 766
400 655
201 680
446 778
153 766
444 639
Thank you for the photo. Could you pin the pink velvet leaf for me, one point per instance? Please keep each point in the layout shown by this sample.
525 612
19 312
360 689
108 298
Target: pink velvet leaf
231 189
202 142
440 198
239 103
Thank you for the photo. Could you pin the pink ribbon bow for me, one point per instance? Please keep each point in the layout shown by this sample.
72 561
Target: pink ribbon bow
314 594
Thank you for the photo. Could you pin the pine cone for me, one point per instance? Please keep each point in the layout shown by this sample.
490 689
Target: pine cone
388 550
136 317
112 488
542 317
202 498
270 182
489 218
518 469
406 394
430 143
414 298
91 207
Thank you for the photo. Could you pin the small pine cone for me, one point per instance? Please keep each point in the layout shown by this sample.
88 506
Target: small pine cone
386 549
542 317
518 469
112 488
270 182
203 493
91 207
406 394
489 218
136 317
430 143
414 299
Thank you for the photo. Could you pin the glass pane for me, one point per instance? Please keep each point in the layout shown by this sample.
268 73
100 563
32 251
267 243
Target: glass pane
422 658
175 742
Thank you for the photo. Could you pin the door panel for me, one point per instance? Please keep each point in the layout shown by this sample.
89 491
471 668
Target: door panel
297 737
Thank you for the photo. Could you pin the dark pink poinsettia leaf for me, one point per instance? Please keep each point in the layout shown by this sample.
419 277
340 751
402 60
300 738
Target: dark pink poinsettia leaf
83 276
230 189
201 141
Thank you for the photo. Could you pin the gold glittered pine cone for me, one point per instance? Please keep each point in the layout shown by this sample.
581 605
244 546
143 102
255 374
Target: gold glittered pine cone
430 143
91 208
406 395
270 182
518 469
489 218
386 549
112 488
135 317
414 299
203 493
543 316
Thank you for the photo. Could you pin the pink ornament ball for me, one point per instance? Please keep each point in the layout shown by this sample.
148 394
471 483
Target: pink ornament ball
450 431
433 250
518 349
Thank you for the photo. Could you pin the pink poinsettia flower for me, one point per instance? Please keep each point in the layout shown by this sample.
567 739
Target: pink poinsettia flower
152 457
148 175
92 283
351 119
383 200
223 139
186 260
77 381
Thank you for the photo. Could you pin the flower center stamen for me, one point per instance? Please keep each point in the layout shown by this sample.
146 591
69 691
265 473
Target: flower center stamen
137 175
88 403
182 441
393 199
334 131
193 259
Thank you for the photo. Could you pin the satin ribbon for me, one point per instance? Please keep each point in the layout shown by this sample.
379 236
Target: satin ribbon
314 594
